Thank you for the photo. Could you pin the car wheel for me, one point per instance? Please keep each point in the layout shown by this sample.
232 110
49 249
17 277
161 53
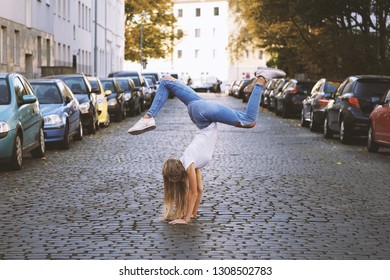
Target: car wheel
345 134
107 122
17 153
372 147
39 152
284 111
79 135
313 125
327 131
92 127
303 120
64 144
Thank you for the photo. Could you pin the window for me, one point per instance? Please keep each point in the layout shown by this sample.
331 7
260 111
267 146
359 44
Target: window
48 56
197 12
17 47
3 45
216 11
197 33
179 54
180 13
197 53
39 43
261 54
19 90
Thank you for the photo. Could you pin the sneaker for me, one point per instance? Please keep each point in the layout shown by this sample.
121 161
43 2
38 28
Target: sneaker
269 73
142 126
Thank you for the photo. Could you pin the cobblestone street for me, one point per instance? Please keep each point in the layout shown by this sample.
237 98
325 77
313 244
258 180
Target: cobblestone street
277 191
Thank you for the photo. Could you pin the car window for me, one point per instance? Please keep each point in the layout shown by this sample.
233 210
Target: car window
366 88
20 91
76 85
329 88
47 93
4 93
66 92
124 84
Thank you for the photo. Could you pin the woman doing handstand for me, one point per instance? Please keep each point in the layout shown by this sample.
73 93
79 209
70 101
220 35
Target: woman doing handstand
183 185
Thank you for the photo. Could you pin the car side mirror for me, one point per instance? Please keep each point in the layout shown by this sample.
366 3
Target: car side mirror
107 92
29 99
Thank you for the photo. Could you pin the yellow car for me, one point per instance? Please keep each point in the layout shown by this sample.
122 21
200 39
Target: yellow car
104 116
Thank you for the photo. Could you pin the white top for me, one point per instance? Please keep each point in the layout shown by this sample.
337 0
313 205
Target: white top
201 148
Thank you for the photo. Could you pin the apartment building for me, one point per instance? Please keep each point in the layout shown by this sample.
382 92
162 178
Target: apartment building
54 36
203 51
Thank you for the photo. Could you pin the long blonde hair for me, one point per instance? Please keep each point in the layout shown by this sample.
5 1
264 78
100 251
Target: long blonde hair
175 190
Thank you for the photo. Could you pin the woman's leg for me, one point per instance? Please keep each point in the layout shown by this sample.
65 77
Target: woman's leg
204 112
171 85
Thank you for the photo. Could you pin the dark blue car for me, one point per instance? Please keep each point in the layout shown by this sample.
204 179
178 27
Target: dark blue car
60 110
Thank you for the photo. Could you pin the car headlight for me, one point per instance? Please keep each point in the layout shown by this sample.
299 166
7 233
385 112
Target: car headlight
112 102
4 129
84 107
127 96
52 120
100 100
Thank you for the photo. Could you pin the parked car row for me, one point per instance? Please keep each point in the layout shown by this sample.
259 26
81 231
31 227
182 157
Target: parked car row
358 106
58 108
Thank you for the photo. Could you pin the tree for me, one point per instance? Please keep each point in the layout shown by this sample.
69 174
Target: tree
332 38
154 21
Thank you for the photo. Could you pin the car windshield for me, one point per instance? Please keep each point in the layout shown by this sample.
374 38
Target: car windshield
95 84
108 85
134 77
47 93
76 84
4 93
124 84
367 89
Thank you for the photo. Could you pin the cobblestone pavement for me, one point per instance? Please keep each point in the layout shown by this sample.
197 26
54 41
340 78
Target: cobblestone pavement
276 191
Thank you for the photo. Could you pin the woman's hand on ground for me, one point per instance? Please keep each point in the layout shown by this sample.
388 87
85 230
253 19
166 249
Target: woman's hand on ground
178 222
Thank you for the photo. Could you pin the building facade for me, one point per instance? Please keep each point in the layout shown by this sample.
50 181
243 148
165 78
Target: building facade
203 51
79 35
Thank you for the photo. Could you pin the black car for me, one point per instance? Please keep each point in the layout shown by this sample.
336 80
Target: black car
275 91
239 90
86 96
132 96
289 100
137 79
313 107
115 100
267 90
351 105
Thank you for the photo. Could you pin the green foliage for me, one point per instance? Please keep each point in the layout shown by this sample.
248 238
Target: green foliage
157 21
332 38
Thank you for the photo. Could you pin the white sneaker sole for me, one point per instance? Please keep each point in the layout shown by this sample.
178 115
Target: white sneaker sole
136 132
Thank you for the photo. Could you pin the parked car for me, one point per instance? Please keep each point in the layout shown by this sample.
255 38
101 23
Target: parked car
60 111
152 74
21 122
265 102
239 90
379 129
131 95
102 104
115 98
351 105
152 85
313 107
232 86
137 79
276 91
289 100
82 90
248 90
148 93
211 84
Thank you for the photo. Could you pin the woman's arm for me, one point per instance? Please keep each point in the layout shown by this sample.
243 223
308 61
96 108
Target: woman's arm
199 192
192 194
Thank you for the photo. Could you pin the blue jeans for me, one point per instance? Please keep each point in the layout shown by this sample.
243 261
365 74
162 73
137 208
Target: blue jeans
204 112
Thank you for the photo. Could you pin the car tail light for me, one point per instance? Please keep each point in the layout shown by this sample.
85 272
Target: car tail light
354 102
293 90
323 102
